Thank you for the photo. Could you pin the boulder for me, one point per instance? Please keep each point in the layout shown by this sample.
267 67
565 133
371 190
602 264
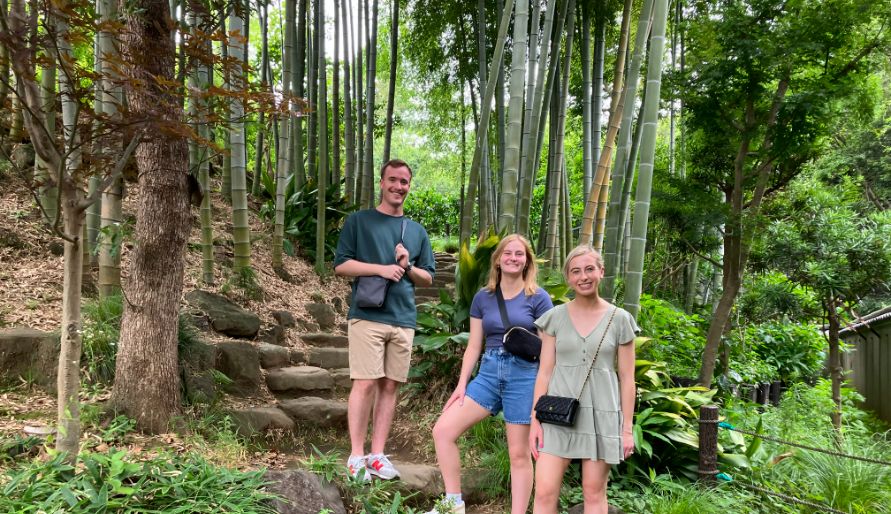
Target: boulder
225 316
341 378
284 318
323 314
199 387
338 304
299 378
316 411
274 334
328 358
29 354
305 325
273 356
421 478
302 492
240 361
323 339
256 420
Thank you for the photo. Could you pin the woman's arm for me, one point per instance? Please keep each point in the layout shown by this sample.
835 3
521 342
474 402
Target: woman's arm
545 368
627 395
471 356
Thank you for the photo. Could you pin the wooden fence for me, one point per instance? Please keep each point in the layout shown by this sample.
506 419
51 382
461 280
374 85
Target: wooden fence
869 360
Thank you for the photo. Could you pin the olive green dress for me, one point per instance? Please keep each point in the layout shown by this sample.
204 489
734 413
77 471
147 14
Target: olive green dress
597 433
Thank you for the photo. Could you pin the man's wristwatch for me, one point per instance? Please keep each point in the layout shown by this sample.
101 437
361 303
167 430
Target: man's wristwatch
409 268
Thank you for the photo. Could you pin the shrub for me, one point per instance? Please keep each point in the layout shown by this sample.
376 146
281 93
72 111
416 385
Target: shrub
678 338
113 482
102 326
440 214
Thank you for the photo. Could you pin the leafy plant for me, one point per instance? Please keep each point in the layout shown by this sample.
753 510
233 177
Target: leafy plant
300 217
678 338
101 332
112 482
438 213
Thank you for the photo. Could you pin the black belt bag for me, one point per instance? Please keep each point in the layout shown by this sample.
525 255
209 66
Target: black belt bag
517 340
371 290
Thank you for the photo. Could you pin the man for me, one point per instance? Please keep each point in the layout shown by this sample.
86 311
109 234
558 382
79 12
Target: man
371 243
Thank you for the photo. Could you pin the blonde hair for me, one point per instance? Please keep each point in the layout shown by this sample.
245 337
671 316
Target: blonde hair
578 251
530 272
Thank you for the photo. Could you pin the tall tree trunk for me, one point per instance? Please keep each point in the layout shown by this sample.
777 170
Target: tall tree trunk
835 365
394 61
649 118
322 174
335 103
368 186
283 164
226 72
241 230
533 136
615 226
48 190
587 121
198 154
349 136
312 83
263 19
601 179
360 108
296 164
485 164
485 110
531 73
499 125
600 21
146 386
555 255
511 164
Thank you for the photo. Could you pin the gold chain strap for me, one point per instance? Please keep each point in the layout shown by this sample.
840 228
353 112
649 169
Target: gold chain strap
588 375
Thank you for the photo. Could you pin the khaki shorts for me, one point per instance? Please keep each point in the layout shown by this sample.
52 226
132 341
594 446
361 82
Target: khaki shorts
379 350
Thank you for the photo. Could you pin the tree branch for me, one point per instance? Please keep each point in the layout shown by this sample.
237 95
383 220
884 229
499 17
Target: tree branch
116 172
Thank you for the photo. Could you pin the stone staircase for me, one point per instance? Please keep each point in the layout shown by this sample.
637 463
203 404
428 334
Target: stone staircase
446 267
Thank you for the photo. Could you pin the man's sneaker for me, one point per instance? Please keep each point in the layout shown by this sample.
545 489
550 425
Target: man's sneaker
357 469
379 465
447 506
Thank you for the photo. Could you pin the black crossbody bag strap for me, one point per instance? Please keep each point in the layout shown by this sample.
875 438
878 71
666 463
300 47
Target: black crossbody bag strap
502 308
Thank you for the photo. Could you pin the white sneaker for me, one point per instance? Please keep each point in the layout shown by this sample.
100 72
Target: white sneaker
357 469
380 466
445 506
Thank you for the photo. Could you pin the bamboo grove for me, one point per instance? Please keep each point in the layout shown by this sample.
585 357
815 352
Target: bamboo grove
303 106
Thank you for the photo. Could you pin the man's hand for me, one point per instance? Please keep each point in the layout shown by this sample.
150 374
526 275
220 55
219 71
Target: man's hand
401 255
392 272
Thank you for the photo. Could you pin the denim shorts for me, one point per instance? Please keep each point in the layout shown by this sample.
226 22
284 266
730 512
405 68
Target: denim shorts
505 382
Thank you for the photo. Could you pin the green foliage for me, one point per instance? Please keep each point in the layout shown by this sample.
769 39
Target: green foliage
665 422
771 295
678 338
112 482
376 496
802 417
101 332
439 213
485 448
245 281
300 216
795 351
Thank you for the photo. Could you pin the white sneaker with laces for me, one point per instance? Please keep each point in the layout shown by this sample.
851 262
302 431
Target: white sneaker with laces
356 467
446 506
380 466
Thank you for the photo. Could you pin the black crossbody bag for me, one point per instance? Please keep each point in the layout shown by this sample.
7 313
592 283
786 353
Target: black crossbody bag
517 340
561 410
371 290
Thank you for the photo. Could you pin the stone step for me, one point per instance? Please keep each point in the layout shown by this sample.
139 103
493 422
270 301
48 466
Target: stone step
254 420
322 339
314 411
273 356
428 291
341 378
425 299
296 379
328 358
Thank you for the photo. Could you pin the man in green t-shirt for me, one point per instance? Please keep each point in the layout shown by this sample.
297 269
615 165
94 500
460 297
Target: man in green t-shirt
381 242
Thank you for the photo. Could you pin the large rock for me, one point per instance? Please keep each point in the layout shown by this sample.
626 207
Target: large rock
324 339
299 378
240 361
323 314
260 419
284 318
328 358
342 378
274 334
272 356
29 354
421 478
316 411
225 316
303 493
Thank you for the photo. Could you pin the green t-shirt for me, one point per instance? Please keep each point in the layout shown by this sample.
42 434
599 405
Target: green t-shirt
371 236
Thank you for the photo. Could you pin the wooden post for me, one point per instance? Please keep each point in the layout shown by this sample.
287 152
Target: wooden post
764 393
775 390
708 443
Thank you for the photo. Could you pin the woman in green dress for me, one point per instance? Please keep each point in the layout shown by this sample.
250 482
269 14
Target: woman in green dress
572 334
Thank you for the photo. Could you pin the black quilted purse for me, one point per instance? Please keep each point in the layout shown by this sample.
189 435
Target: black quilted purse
561 410
517 340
